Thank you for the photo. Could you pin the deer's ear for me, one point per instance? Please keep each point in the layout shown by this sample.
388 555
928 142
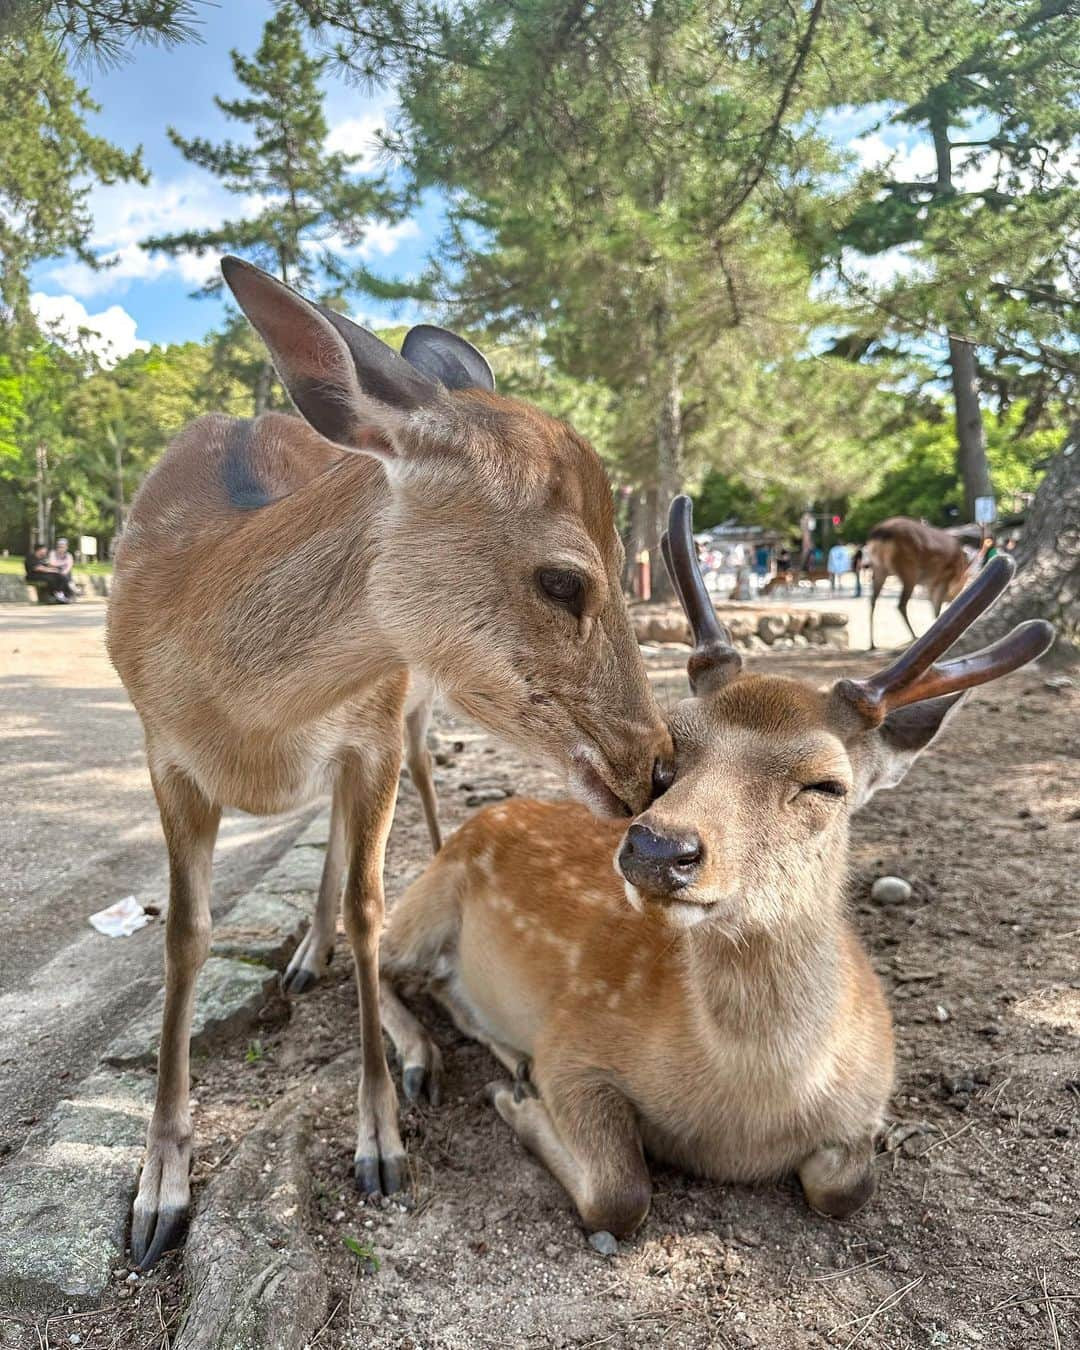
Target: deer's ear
892 748
445 357
351 387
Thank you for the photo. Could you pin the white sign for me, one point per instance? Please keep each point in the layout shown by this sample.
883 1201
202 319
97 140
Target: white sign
985 511
88 546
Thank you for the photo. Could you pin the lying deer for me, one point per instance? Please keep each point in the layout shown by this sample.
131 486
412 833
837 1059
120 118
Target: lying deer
919 555
278 580
707 1002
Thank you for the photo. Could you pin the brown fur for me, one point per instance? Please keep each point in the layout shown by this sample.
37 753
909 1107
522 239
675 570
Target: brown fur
274 591
919 555
742 1022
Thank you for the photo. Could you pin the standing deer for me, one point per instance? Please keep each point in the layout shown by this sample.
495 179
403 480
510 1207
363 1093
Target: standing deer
277 581
918 554
710 1006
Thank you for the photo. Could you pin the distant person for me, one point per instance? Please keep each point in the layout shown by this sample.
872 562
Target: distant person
40 571
61 559
783 560
988 551
839 564
761 562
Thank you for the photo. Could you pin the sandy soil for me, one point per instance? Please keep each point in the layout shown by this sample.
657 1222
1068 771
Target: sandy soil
973 1238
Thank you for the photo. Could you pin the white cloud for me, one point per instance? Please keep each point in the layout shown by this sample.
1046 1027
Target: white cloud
906 160
359 136
383 239
110 334
125 214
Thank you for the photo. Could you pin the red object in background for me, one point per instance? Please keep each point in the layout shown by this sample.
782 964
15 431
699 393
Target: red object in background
836 520
643 578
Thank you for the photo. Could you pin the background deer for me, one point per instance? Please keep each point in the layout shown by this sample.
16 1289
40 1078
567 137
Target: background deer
712 1005
920 555
277 581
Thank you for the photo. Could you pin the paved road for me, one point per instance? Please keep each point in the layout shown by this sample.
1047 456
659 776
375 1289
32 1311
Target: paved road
78 830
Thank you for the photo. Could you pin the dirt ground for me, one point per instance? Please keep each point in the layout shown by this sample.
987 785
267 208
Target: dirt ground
973 1238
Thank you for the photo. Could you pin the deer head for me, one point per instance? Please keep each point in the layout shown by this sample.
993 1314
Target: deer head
753 831
501 506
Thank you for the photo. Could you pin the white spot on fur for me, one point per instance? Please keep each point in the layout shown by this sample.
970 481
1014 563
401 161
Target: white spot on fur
633 896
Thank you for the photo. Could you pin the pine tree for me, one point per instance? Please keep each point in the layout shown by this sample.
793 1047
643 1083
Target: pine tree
315 206
48 162
994 280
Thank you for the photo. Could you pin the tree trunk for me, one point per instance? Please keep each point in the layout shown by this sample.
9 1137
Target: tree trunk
1047 584
262 388
971 462
634 539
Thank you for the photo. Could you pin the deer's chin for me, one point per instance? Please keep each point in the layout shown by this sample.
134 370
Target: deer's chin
589 786
683 910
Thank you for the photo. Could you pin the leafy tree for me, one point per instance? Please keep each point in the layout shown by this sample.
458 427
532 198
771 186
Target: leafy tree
609 170
49 161
988 235
313 206
102 29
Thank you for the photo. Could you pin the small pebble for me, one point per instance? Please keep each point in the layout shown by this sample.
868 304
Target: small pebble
891 891
1041 1208
604 1243
941 1013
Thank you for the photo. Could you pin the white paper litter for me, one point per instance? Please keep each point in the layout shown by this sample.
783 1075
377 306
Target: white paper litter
127 916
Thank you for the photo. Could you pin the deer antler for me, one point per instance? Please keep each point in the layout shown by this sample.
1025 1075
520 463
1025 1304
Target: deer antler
714 659
914 676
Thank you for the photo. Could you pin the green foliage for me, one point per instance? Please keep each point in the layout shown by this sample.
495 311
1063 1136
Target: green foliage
363 1251
923 482
102 29
316 204
49 161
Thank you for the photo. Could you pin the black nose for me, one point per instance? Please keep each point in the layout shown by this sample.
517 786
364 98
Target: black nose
663 775
659 862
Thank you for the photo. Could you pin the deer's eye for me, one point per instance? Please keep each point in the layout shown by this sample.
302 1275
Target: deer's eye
562 587
828 787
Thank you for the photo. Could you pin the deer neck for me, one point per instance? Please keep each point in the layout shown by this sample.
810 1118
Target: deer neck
788 977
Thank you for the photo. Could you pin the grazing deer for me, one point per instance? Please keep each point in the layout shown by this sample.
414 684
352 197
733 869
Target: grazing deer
711 1005
919 555
277 581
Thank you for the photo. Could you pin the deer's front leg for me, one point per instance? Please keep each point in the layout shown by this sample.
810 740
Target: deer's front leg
368 782
586 1135
190 823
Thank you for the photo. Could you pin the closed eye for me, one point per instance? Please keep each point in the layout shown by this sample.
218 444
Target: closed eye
828 787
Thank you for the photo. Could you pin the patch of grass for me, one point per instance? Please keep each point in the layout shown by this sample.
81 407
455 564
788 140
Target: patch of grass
363 1251
17 567
255 1052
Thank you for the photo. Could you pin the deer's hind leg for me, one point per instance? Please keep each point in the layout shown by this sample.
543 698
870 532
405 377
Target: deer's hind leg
312 956
418 761
585 1133
190 823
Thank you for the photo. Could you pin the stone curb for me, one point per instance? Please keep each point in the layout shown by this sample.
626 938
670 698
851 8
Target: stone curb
65 1198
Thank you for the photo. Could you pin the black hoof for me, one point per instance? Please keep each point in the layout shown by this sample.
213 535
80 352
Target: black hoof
299 982
418 1082
523 1088
167 1232
379 1176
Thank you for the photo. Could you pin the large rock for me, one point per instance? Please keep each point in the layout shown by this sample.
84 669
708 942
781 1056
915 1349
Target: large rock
229 997
65 1197
263 926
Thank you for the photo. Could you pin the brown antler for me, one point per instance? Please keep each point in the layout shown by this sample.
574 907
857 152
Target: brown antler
914 676
714 659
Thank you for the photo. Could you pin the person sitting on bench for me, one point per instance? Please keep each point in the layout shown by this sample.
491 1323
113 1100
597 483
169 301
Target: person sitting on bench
43 574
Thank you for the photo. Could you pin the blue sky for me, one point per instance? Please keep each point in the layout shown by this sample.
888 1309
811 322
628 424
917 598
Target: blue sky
148 298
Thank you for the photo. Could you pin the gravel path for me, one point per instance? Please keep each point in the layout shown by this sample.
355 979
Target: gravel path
78 830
